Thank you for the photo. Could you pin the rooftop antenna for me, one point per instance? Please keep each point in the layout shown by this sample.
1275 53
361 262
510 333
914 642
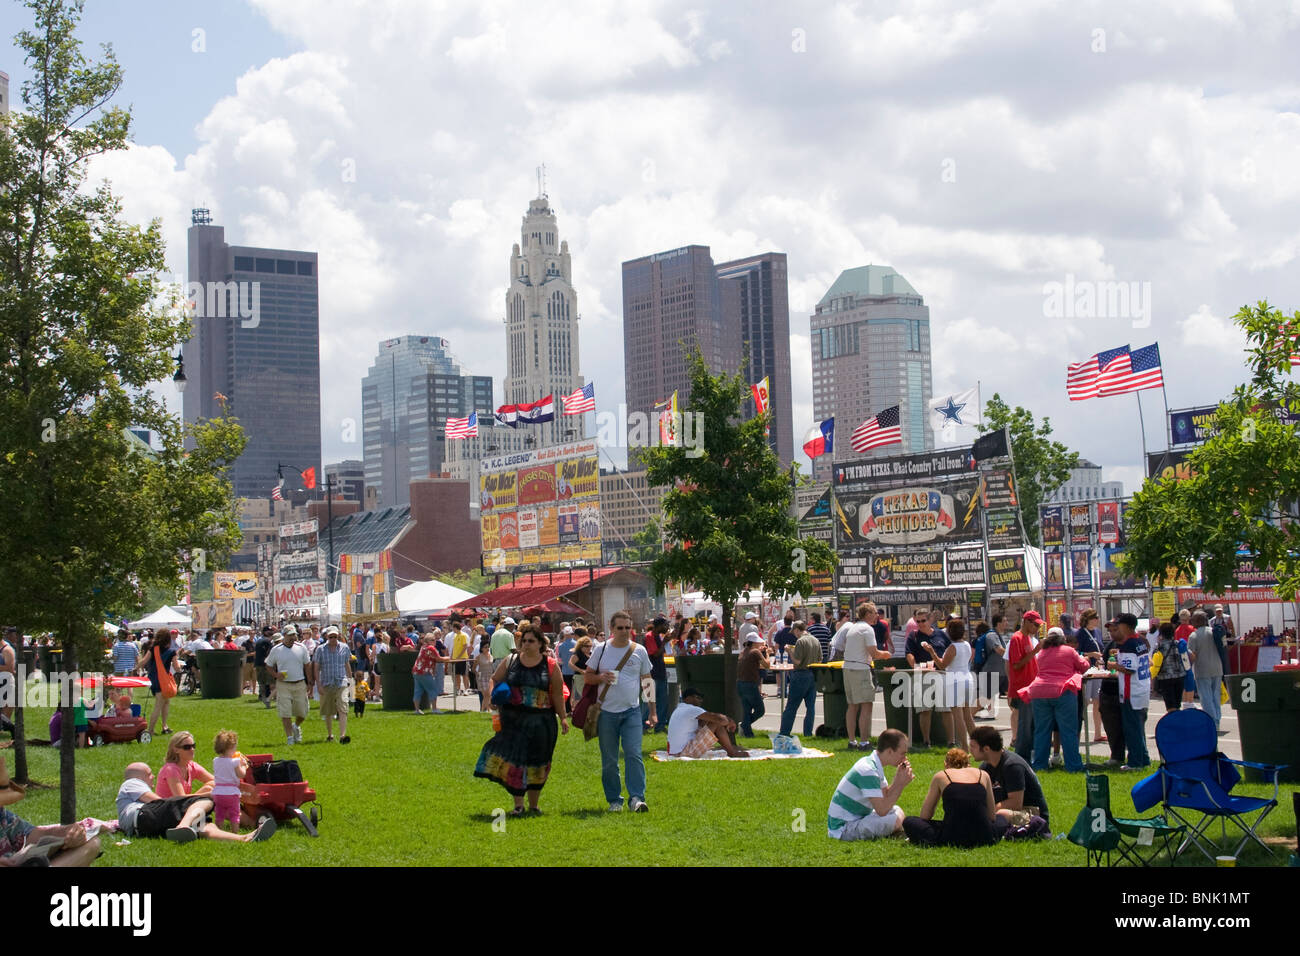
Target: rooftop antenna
541 181
200 217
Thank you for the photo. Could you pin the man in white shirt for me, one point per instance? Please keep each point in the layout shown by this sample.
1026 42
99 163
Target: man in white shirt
289 662
620 711
749 627
693 731
859 643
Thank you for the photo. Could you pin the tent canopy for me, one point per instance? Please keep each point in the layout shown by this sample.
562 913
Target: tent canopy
163 617
428 596
538 588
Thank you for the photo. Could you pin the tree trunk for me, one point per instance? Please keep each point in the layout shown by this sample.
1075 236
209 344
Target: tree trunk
20 736
68 744
729 662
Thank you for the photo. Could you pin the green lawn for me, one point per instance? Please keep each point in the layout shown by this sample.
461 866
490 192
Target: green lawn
402 794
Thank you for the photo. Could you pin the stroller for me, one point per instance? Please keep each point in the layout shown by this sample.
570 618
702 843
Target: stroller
280 792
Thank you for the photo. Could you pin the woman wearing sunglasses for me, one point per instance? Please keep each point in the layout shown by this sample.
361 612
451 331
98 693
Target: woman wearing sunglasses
181 775
519 756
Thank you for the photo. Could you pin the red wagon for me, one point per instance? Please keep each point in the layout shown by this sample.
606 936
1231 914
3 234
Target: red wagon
284 801
117 730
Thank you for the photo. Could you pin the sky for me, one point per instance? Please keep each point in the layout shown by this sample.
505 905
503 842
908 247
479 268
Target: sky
991 152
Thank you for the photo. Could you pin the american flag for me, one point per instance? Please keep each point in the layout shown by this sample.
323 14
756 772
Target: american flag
1083 379
463 427
581 400
276 495
1132 373
884 429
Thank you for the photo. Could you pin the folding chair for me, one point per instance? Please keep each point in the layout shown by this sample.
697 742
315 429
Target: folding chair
1194 777
1137 842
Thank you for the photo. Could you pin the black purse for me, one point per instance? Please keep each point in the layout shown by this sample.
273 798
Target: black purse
277 771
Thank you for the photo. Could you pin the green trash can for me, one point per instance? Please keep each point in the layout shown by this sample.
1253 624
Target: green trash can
705 672
835 704
397 680
1268 713
906 698
221 674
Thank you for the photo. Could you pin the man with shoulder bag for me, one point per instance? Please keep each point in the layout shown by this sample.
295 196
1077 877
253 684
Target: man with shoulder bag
616 667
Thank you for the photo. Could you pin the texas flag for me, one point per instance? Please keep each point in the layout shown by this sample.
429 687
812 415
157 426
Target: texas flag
820 439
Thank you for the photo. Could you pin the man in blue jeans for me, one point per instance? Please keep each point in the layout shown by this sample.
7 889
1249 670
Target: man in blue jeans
803 687
752 660
619 664
1134 668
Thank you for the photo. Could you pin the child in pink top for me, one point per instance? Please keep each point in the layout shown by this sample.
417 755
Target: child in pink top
228 769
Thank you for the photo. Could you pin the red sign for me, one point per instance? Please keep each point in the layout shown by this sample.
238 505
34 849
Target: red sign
1242 596
537 484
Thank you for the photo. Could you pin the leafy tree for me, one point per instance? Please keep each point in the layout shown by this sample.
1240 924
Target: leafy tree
645 544
473 580
85 328
1042 465
1246 479
728 509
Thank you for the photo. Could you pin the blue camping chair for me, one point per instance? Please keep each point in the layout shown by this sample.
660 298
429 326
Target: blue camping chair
1194 777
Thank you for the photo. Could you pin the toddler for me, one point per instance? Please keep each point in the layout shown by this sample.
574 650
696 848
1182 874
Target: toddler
228 770
123 708
359 698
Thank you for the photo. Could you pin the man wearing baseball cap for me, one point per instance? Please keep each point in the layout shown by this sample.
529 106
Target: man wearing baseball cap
1022 668
753 658
331 662
288 661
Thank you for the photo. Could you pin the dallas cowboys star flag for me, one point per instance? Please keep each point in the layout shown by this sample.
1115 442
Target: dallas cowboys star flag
950 411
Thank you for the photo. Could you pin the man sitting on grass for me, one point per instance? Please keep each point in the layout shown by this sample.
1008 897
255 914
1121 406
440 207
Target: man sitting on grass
141 812
1015 785
692 730
865 804
16 833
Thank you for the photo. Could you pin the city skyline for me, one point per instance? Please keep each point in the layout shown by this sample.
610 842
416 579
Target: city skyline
1115 147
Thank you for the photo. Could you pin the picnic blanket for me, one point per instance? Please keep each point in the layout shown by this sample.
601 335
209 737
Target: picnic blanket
663 756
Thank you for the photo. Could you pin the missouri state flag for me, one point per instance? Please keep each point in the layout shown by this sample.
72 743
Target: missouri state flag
820 439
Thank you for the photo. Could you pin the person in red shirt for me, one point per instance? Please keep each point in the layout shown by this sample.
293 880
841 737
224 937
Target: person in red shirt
1183 634
1022 668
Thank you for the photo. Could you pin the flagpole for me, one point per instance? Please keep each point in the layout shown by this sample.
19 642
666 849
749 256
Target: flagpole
979 399
1169 438
1142 422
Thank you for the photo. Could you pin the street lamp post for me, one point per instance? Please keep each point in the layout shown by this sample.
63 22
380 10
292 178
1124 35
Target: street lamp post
329 511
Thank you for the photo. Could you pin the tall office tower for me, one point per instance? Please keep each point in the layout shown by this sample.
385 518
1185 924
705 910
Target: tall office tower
870 351
542 324
349 480
672 303
763 300
255 342
410 391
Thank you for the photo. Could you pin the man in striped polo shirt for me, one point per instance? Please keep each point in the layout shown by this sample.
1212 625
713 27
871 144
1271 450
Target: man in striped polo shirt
125 655
865 804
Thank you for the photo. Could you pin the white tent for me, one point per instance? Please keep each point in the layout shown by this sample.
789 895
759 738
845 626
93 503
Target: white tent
334 605
424 596
164 617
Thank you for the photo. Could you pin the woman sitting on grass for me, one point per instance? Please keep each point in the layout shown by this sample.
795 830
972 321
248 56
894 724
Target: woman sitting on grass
969 811
519 756
180 771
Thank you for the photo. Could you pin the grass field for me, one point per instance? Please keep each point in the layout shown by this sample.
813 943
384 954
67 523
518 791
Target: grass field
402 794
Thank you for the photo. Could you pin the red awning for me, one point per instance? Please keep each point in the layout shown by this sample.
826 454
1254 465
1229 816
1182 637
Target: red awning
538 588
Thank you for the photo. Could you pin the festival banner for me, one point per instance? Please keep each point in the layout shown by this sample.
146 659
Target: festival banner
976 607
307 594
571 552
1083 602
549 554
209 614
1081 569
934 597
1240 596
908 569
548 526
578 478
1080 524
589 524
490 531
1169 466
921 514
1052 611
964 566
299 537
997 489
1192 426
1051 525
928 467
233 584
1003 530
1250 575
853 571
1108 522
1110 576
1053 571
591 550
510 531
498 491
1007 574
568 519
528 528
1164 604
536 484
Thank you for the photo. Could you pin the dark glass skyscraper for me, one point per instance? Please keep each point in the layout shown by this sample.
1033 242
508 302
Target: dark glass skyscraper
255 341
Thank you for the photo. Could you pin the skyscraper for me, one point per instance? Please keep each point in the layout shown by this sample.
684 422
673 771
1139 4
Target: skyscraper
255 342
871 350
542 323
410 391
672 303
762 300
